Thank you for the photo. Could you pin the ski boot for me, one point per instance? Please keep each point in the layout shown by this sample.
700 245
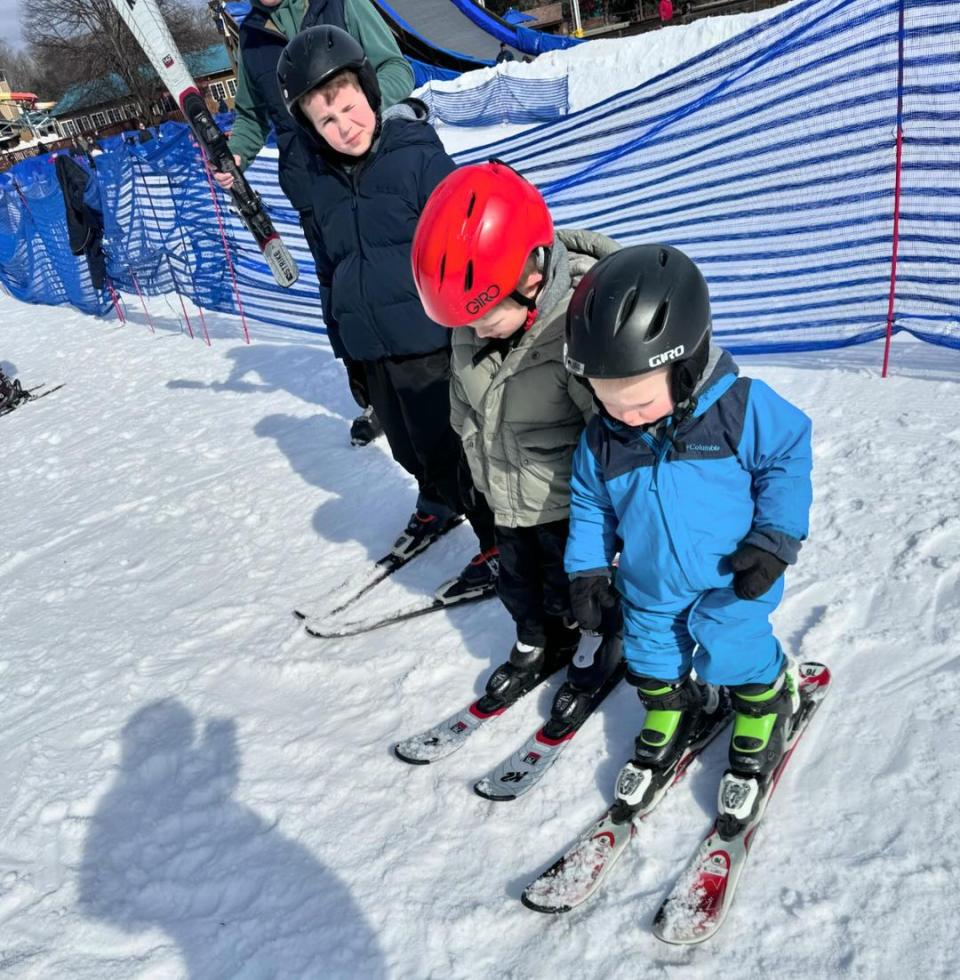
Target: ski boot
528 666
421 531
596 668
365 428
477 579
764 716
679 713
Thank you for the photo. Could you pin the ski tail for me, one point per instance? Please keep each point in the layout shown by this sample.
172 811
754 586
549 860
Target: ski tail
698 904
525 768
146 23
444 739
582 869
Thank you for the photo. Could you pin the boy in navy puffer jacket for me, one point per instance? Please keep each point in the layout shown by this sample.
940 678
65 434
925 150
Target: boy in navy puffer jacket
701 480
371 175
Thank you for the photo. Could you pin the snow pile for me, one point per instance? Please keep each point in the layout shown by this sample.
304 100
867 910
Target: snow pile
601 68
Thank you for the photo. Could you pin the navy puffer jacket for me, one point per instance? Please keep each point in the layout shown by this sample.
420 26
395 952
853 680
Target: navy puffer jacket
364 218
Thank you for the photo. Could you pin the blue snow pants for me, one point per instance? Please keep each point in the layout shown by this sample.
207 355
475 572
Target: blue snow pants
728 641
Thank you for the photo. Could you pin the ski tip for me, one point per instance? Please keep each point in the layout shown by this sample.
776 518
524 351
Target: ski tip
484 789
529 903
409 759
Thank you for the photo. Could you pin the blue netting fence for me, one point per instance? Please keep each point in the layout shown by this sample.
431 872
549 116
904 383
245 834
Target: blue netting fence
500 99
772 159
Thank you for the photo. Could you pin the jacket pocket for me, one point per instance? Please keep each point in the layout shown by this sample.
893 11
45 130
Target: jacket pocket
544 466
549 443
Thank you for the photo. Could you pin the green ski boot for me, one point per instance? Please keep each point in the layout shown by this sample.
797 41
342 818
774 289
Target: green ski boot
763 719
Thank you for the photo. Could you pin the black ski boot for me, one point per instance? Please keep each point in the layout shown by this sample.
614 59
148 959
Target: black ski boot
11 393
421 531
478 578
527 666
365 428
764 717
596 668
763 721
678 714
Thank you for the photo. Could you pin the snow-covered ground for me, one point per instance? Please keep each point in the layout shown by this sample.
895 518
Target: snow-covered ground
193 787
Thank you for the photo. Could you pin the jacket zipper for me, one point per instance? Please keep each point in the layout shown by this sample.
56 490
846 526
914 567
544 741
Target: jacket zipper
661 449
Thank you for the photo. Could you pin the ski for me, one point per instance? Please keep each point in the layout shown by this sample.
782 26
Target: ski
150 30
699 902
30 395
420 608
522 770
578 874
444 739
370 576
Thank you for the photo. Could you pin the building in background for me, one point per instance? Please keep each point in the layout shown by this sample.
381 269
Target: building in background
105 106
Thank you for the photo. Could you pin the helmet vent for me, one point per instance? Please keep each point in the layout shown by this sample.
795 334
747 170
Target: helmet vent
627 307
468 278
472 204
663 256
588 306
443 266
658 322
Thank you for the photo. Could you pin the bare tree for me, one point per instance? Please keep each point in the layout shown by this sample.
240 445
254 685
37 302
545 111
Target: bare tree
22 74
85 40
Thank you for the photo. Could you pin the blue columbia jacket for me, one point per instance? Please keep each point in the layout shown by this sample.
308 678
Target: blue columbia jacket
738 469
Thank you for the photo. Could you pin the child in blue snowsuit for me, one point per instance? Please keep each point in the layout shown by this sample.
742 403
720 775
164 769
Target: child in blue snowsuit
700 479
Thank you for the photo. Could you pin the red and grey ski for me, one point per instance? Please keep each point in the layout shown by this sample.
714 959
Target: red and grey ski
523 769
579 873
150 30
699 902
444 739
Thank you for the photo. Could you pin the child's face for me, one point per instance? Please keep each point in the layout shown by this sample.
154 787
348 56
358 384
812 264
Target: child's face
639 400
500 321
343 118
508 316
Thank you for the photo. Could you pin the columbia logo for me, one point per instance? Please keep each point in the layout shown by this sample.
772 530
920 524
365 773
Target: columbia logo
702 447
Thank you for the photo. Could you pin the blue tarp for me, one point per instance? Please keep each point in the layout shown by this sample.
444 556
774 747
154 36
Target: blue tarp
771 159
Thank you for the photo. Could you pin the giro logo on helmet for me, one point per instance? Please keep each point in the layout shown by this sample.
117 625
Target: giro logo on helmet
667 355
572 364
488 296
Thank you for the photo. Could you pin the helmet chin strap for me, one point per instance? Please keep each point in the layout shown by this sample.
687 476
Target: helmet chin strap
530 302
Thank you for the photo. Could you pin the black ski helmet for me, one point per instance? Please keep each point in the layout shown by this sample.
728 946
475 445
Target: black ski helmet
638 309
313 57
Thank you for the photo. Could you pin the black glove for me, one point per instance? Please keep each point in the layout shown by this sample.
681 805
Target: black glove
589 596
357 377
754 571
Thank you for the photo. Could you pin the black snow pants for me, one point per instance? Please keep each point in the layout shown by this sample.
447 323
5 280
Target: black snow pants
533 584
411 396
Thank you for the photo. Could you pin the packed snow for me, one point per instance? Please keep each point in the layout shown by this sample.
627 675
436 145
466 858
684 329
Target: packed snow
194 787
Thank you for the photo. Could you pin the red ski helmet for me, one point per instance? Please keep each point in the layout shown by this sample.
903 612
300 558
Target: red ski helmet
473 238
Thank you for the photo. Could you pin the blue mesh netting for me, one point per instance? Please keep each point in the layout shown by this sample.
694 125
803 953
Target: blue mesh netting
770 158
501 99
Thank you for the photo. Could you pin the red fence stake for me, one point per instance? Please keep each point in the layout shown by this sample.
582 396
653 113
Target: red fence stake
226 247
